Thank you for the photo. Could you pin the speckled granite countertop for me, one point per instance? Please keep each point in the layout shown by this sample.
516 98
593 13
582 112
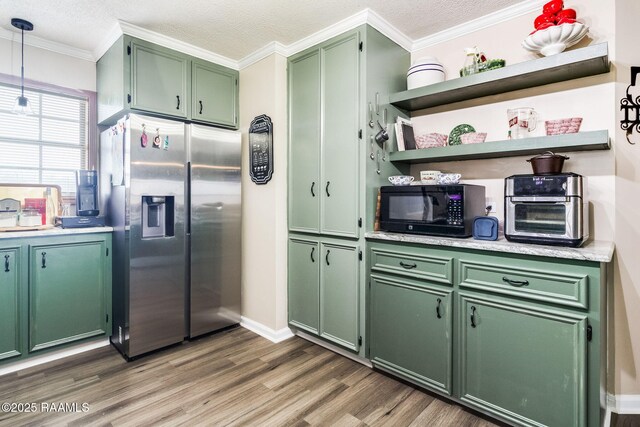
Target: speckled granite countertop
595 250
55 231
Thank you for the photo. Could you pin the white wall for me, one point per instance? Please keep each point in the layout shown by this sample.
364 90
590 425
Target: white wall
47 66
263 90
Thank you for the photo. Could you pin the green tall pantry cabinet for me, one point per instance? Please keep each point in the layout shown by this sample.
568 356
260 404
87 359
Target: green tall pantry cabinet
335 169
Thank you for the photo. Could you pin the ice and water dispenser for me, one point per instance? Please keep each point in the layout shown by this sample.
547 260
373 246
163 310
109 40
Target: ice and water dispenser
158 216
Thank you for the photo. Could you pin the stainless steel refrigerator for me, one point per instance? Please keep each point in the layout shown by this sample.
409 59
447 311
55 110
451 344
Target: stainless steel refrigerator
172 193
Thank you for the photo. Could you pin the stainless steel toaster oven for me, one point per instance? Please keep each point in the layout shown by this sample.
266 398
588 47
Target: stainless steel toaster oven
546 209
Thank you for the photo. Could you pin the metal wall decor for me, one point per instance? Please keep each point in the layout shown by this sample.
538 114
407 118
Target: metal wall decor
631 106
261 149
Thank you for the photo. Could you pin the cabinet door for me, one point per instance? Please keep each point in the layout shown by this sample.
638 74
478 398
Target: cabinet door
526 364
215 94
340 89
411 331
339 314
9 303
304 272
304 143
159 80
67 297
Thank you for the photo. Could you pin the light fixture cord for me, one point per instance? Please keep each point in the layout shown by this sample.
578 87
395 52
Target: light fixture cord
22 66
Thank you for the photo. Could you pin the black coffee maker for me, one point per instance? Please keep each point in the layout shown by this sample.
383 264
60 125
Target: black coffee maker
87 193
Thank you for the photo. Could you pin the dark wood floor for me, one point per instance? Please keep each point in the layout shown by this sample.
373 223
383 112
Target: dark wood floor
233 378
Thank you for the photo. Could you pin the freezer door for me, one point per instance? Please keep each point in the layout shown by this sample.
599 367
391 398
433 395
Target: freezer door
156 220
215 229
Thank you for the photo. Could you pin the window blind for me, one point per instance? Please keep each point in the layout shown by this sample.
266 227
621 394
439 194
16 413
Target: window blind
47 146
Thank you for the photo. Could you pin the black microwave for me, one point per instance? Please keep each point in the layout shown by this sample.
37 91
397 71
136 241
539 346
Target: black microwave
440 210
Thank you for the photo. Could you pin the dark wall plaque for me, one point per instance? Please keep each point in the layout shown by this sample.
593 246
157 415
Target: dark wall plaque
261 149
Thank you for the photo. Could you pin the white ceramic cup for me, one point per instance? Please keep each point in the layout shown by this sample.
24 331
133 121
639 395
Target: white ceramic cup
449 178
429 177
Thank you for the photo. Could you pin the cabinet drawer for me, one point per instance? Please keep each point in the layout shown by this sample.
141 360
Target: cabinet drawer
434 268
539 281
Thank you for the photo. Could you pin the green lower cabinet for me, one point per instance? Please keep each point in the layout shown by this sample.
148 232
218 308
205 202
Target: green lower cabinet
67 293
304 284
411 330
339 296
9 303
523 363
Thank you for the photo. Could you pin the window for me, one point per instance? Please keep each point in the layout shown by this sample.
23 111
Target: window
48 146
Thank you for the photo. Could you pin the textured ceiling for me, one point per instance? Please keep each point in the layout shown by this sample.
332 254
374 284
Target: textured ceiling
232 28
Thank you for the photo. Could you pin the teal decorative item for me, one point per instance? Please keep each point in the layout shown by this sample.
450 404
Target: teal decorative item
454 136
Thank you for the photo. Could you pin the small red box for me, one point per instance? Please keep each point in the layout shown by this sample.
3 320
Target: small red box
38 204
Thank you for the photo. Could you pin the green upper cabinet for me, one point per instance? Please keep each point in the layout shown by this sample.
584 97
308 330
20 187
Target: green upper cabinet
68 292
339 295
135 75
159 80
10 345
324 90
215 94
339 155
304 277
304 145
526 364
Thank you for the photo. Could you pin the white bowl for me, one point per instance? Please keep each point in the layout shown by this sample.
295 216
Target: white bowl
401 179
555 39
425 71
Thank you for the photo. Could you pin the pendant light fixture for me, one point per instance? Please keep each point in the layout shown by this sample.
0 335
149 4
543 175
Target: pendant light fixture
22 105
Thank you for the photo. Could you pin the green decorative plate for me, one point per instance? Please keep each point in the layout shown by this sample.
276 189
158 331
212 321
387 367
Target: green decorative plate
454 136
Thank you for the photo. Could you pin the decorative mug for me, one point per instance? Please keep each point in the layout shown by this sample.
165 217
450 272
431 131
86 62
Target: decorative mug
400 179
429 177
521 122
449 178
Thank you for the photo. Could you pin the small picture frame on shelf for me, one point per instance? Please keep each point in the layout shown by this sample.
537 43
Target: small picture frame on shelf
404 134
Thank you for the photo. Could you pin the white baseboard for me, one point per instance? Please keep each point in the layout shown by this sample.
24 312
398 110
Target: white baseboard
50 357
624 403
265 331
335 349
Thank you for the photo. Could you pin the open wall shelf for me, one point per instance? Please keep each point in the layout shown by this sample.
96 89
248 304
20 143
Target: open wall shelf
574 64
581 141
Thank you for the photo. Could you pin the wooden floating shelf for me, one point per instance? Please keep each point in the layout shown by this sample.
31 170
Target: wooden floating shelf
581 141
587 61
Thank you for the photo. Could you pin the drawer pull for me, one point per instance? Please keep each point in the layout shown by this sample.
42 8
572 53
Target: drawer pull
312 251
327 257
473 316
313 184
200 106
438 315
408 266
327 189
44 260
178 106
516 283
6 263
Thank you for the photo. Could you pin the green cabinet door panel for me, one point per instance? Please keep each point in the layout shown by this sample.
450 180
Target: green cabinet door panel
304 143
215 94
340 89
339 296
304 276
67 293
525 364
411 331
159 80
9 303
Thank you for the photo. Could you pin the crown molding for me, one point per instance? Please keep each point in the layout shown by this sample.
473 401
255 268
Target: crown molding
485 21
35 41
260 54
171 43
382 25
107 41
